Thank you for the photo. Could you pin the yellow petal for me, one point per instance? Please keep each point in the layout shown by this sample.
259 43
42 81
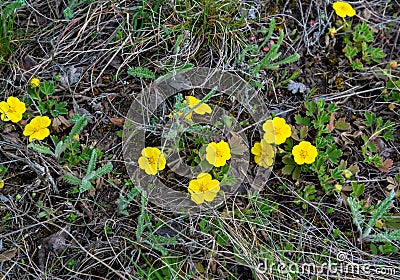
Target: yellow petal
144 165
29 129
209 196
202 109
14 117
13 101
211 153
256 149
44 121
224 149
192 101
161 162
197 198
194 186
41 134
213 186
4 107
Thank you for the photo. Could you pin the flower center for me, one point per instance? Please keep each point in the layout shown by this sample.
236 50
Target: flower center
203 188
303 153
152 160
11 109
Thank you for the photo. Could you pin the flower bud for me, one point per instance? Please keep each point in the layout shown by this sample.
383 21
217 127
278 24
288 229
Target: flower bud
347 174
338 188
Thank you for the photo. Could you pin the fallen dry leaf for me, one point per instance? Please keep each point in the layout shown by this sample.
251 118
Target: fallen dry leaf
386 165
54 243
59 124
331 124
117 121
8 255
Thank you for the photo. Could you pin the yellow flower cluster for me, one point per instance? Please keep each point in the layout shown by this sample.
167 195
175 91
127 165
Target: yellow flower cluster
12 110
204 187
276 131
201 189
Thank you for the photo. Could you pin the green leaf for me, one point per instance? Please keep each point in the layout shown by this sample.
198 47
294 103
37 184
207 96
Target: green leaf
288 160
228 181
102 170
296 173
41 149
85 186
381 209
358 189
302 120
356 212
47 87
350 52
385 236
141 72
370 118
80 123
356 65
92 161
72 180
288 169
342 125
311 107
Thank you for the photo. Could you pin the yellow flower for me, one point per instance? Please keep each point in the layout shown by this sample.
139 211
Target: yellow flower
201 109
1 183
12 110
304 152
343 9
203 188
276 131
263 153
37 128
218 153
152 160
34 82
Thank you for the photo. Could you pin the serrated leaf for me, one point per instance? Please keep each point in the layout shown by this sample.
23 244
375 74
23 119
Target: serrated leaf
141 72
356 212
102 170
85 186
41 149
381 209
358 189
386 165
72 180
80 123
